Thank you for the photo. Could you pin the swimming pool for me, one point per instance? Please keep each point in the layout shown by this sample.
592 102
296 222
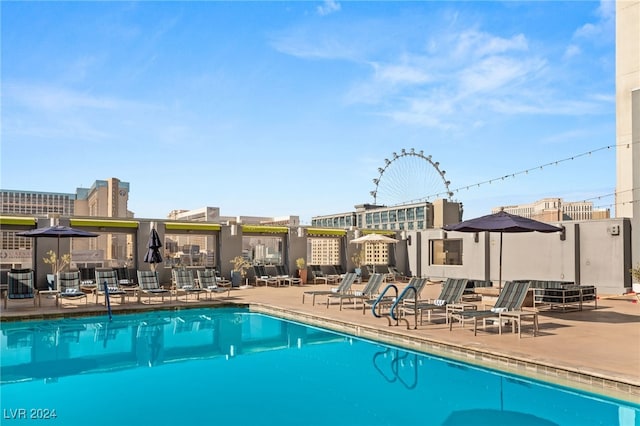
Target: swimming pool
230 366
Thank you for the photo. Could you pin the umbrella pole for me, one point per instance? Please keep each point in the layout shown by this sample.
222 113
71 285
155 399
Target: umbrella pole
500 265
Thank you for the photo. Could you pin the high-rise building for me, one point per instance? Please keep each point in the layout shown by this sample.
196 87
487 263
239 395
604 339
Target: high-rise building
105 198
556 210
410 216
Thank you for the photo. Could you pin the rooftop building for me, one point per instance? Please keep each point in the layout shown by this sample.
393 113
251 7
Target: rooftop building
556 210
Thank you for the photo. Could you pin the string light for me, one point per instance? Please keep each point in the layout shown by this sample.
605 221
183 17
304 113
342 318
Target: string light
541 167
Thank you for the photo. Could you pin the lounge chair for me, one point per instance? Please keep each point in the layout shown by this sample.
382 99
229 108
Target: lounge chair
510 299
283 277
124 280
260 272
110 277
148 286
185 284
343 288
368 292
320 276
208 281
20 287
69 286
452 291
396 275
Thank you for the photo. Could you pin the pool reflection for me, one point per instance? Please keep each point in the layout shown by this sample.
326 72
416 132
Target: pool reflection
83 345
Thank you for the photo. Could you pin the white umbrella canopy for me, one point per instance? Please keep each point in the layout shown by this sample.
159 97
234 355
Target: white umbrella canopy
374 238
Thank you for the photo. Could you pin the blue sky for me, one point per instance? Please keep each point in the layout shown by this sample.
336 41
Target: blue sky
278 108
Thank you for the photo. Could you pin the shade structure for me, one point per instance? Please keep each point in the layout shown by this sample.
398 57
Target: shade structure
153 255
374 238
502 222
58 232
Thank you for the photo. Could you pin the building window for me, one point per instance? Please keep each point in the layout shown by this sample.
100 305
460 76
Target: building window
189 250
446 252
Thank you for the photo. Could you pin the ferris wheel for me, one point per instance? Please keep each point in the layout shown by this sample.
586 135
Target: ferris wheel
410 177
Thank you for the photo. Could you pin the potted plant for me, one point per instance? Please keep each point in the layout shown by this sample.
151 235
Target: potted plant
358 259
301 264
239 270
57 265
635 279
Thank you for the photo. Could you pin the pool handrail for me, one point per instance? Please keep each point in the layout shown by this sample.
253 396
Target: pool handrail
401 299
380 298
106 299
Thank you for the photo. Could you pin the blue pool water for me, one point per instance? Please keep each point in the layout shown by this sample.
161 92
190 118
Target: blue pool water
232 367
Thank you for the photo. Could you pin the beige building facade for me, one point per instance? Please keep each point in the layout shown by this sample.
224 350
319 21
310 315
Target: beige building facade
556 210
628 118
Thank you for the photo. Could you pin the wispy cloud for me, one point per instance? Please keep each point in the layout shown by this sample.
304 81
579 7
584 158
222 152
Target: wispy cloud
328 7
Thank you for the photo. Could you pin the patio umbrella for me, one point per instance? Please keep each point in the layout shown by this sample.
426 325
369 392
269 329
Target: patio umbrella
153 255
58 232
502 222
374 238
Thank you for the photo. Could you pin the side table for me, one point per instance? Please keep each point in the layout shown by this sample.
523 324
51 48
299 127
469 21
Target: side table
516 318
47 293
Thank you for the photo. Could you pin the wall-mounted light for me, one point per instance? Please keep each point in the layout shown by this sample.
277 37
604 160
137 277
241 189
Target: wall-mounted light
405 237
563 233
476 237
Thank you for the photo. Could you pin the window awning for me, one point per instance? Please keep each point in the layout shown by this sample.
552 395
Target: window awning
102 223
379 231
264 229
173 226
325 232
17 220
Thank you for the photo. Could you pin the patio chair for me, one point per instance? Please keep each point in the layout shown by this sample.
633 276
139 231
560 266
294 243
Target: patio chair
110 277
260 272
452 291
185 284
149 286
124 279
368 292
283 277
320 276
20 287
69 286
343 288
510 299
208 281
396 275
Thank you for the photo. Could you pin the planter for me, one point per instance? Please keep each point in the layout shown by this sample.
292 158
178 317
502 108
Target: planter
302 273
236 279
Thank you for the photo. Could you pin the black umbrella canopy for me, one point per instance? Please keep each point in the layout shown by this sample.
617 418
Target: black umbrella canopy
153 254
57 231
502 222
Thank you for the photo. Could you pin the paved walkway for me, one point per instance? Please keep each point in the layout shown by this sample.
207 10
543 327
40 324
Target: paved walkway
594 349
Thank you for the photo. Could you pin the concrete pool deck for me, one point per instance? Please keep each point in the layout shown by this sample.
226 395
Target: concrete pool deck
597 350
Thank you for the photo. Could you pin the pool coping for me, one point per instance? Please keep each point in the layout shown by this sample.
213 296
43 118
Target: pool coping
591 382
